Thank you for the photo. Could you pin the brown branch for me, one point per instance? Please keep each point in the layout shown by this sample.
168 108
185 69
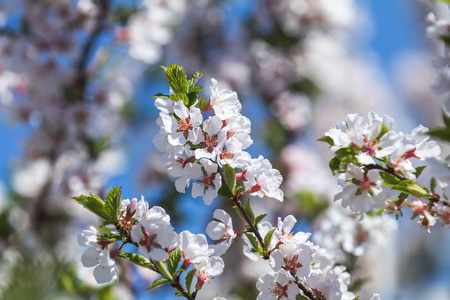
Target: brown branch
302 287
253 228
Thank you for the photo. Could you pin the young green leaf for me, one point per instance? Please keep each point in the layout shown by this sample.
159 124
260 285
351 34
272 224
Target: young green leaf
267 239
188 280
389 179
112 204
180 96
174 260
327 140
176 76
238 212
136 259
229 176
94 204
412 188
224 191
193 80
157 282
433 184
159 95
249 211
256 246
419 171
335 164
259 218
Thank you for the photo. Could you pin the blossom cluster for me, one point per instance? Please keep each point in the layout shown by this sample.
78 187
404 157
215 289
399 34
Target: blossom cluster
299 267
373 159
149 229
197 148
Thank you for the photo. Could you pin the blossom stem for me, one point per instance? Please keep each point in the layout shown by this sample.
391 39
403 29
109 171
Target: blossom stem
174 282
253 228
302 287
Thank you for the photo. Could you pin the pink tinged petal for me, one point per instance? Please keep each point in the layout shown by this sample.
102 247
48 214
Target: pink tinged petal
90 257
105 274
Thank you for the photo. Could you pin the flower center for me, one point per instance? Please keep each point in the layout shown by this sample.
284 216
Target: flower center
184 125
211 142
279 290
291 263
148 241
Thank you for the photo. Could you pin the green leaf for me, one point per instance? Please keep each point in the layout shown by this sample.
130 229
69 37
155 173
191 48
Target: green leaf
193 80
267 239
419 171
327 140
201 102
112 204
224 191
384 130
256 245
157 282
109 237
178 97
159 95
335 166
188 280
259 218
229 175
238 212
136 259
176 76
389 179
94 204
192 95
412 188
174 260
440 133
249 211
445 117
433 184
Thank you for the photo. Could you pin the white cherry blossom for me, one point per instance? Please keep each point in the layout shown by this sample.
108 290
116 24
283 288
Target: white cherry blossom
221 228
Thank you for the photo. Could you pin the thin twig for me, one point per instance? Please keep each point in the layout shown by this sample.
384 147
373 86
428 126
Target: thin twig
255 230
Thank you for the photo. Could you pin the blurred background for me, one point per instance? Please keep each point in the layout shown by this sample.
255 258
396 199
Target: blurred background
76 79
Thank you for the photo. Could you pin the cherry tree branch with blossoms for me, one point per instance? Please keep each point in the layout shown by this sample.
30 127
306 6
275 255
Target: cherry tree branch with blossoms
208 154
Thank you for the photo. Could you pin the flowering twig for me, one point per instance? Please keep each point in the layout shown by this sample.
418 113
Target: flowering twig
254 229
